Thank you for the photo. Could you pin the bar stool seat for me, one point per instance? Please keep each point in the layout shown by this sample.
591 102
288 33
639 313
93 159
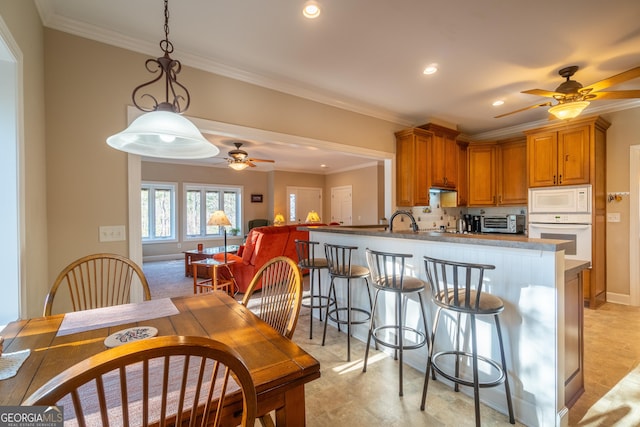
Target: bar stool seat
388 275
457 287
340 267
307 260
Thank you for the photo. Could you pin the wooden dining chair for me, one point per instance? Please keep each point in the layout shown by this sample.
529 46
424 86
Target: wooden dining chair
279 302
281 294
169 380
98 280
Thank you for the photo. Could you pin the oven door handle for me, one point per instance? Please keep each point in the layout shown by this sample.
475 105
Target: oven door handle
561 226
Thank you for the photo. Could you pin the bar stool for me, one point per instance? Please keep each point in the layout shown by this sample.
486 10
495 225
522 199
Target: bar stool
340 267
308 261
457 287
388 275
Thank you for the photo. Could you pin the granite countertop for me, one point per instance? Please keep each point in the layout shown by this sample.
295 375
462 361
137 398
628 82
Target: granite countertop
519 241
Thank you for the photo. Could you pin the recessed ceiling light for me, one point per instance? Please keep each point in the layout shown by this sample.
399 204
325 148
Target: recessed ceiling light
311 10
323 166
431 69
498 103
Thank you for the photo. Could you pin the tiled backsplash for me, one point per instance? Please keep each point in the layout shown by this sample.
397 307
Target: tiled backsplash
433 216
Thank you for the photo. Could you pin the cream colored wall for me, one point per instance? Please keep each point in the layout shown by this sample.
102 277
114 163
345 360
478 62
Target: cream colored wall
623 133
365 184
89 85
253 182
23 21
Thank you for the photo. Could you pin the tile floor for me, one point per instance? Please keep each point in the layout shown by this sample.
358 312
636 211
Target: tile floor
344 396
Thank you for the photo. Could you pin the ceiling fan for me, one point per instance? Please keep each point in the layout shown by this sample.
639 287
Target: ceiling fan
572 97
239 159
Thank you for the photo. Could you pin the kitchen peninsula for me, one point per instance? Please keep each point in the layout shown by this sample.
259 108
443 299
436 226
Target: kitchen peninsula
543 336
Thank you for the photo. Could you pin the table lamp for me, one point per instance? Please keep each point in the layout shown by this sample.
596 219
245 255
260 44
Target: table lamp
220 219
312 217
279 219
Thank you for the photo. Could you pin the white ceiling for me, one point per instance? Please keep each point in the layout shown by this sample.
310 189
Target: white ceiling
368 55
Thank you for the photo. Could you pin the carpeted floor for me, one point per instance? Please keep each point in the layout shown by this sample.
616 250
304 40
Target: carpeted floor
166 279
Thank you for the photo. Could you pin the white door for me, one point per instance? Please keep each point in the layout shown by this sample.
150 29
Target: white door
341 205
301 201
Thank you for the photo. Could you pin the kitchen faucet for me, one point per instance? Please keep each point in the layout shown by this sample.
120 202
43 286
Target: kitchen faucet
414 224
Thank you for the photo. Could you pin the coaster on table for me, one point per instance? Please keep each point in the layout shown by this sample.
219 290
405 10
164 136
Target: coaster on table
129 335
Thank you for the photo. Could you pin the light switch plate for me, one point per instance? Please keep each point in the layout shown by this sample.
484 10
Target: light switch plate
112 233
613 217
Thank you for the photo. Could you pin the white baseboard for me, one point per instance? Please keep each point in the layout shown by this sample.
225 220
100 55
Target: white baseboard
618 298
167 257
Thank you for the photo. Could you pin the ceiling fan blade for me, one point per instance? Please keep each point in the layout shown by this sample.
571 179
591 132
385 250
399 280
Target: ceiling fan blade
542 92
531 107
250 163
619 94
261 160
613 80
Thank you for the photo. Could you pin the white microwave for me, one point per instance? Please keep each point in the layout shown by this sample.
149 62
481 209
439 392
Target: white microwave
574 199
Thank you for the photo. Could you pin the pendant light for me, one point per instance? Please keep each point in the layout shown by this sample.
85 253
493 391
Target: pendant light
162 131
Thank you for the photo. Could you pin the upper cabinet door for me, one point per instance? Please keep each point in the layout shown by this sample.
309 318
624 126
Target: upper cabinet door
573 156
512 173
444 157
542 155
482 183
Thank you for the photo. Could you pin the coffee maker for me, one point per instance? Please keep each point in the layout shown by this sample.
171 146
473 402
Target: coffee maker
468 220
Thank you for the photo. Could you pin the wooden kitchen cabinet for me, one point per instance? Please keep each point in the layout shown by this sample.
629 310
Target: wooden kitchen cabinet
559 157
497 173
569 153
444 157
413 152
482 177
463 182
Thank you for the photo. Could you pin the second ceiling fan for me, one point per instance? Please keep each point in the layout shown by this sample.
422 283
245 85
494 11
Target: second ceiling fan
239 159
572 97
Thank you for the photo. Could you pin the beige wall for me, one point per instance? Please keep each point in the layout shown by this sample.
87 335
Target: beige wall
623 133
365 189
282 179
23 21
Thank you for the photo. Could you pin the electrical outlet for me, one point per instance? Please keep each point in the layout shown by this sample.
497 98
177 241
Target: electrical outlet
613 217
112 233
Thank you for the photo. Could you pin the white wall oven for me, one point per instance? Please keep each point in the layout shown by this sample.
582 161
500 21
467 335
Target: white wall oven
563 213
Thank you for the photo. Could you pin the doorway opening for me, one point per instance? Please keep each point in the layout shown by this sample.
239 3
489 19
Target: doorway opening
12 303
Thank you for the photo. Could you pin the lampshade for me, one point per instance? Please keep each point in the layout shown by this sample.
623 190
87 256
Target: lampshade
163 134
238 165
568 110
312 216
279 219
218 218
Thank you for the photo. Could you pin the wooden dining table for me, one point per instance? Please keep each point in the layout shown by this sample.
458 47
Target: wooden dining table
279 368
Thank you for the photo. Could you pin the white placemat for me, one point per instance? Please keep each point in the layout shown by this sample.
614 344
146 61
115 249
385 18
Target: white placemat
11 362
86 320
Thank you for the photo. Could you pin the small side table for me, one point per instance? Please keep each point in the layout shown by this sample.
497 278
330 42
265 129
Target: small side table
215 283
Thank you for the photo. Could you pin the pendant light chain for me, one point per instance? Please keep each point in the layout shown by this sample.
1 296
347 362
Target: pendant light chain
177 98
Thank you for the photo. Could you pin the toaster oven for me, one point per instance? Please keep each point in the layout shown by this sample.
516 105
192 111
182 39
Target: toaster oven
512 224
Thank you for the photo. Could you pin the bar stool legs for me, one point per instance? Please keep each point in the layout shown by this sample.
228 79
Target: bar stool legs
307 260
457 288
340 267
388 275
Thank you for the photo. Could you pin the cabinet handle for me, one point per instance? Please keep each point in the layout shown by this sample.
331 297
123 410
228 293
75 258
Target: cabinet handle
554 180
560 181
500 198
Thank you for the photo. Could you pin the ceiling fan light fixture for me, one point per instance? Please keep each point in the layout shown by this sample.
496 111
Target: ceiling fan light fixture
162 131
238 165
568 110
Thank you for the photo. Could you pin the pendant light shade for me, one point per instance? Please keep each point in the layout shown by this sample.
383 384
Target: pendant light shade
163 134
